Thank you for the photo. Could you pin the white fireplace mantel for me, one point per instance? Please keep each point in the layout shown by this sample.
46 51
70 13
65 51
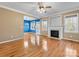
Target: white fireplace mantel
56 28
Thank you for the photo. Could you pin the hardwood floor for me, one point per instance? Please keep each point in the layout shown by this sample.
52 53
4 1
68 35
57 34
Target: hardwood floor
45 47
14 48
53 48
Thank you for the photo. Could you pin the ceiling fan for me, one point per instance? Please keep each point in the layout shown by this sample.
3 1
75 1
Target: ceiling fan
42 7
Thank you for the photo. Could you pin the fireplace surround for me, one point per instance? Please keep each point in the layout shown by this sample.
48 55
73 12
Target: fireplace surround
56 32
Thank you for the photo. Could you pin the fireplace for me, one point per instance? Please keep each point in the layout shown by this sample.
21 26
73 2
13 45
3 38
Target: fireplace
54 33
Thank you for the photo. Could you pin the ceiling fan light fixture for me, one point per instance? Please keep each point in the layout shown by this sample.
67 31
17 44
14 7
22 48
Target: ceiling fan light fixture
41 10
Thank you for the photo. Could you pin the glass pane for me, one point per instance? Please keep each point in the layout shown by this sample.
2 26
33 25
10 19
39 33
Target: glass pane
71 24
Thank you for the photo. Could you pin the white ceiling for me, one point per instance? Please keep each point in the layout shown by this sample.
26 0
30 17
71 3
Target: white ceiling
31 7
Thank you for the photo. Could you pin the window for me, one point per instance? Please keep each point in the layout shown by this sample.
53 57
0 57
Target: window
71 24
26 26
32 23
44 25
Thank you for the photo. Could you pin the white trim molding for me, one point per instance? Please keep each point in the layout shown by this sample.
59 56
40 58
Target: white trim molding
65 11
71 39
10 40
11 9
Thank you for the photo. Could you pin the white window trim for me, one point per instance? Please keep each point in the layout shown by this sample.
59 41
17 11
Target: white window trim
77 23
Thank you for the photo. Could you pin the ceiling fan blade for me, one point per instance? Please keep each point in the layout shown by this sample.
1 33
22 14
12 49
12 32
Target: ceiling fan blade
48 6
41 6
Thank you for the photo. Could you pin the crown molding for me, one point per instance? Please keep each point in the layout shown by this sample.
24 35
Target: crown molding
11 9
65 12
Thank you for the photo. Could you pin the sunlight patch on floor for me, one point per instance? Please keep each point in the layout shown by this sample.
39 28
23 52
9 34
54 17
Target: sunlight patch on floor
26 44
38 40
44 45
33 40
70 52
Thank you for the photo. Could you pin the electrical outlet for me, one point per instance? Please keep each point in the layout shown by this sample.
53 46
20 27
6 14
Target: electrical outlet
12 36
71 36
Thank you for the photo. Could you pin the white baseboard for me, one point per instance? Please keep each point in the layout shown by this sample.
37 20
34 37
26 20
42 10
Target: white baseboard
10 40
71 39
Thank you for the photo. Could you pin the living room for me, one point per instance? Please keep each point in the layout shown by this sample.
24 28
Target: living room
43 29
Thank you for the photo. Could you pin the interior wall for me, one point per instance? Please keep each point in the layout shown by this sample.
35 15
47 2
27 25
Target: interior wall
74 36
55 21
11 25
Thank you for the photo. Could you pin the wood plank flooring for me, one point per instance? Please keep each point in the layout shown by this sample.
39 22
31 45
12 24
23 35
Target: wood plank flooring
44 47
53 48
12 48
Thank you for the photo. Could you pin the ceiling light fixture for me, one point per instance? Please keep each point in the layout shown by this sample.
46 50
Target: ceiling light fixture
42 7
41 10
